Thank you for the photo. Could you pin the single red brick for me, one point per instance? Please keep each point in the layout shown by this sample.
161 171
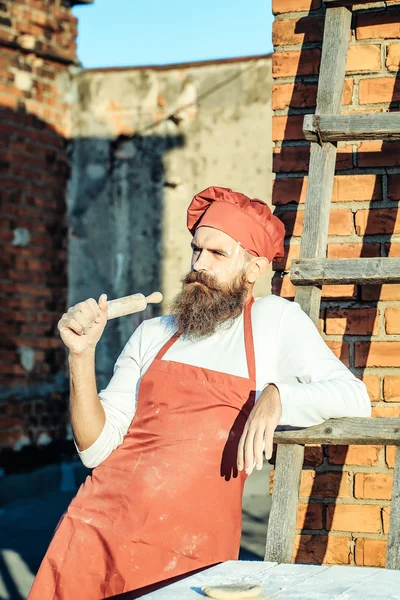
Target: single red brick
386 411
373 385
340 222
339 291
325 485
309 516
353 250
393 57
363 518
386 519
390 456
291 189
354 455
377 221
322 549
291 64
377 25
363 58
379 154
385 292
287 128
377 354
291 158
392 320
357 188
370 552
299 95
313 455
378 90
362 321
391 388
290 32
282 286
303 95
373 486
286 6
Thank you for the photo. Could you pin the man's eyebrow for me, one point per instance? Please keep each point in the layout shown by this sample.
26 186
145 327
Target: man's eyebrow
196 247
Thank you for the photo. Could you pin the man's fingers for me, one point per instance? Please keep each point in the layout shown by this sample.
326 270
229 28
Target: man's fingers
240 454
87 311
103 303
249 451
82 320
269 442
242 442
94 307
71 324
258 447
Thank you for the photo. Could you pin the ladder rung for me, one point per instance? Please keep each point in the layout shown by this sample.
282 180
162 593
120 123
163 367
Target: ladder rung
330 271
336 128
357 430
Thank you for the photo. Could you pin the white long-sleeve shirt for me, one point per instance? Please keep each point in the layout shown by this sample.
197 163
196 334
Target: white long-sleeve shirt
314 385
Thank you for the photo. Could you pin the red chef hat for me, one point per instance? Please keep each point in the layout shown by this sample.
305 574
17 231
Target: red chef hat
248 221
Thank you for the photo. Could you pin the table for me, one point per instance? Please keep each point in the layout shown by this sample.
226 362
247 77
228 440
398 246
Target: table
291 582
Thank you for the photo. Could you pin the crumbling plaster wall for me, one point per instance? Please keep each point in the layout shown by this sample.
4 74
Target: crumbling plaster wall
145 140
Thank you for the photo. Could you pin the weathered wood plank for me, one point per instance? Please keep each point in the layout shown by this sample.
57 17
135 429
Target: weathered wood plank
309 299
331 271
349 430
323 158
316 218
334 128
285 497
393 547
333 61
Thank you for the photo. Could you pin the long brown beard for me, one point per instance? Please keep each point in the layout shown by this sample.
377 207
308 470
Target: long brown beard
199 309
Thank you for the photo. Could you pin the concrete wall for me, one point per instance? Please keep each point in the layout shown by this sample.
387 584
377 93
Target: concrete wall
145 141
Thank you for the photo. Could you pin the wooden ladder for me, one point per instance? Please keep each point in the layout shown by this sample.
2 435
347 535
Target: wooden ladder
313 269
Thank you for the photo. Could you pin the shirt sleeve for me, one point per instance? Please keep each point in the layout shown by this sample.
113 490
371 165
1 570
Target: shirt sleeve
119 400
314 384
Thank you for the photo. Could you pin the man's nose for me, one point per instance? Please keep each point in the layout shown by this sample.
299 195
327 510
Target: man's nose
200 264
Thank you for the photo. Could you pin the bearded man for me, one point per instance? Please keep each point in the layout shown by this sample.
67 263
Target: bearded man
193 402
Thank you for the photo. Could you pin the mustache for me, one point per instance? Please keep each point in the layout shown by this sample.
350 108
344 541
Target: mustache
198 310
203 278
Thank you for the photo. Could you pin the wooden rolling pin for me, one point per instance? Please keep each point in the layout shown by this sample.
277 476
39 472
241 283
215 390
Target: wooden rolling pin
131 304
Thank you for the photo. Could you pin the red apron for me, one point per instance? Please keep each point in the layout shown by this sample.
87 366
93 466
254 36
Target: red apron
168 500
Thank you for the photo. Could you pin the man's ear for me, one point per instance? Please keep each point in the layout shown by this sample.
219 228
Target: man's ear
257 267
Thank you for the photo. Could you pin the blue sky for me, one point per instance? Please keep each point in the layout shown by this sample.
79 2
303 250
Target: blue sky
116 33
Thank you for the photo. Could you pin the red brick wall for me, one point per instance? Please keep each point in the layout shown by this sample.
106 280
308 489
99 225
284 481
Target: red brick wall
37 49
346 519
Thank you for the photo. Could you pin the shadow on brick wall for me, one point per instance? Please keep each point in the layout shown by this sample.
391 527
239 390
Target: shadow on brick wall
374 228
35 166
33 402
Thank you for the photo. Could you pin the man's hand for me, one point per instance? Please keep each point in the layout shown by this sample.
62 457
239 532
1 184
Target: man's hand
259 430
83 325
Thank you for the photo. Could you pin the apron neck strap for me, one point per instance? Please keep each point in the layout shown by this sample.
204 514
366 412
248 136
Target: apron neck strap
248 341
164 349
